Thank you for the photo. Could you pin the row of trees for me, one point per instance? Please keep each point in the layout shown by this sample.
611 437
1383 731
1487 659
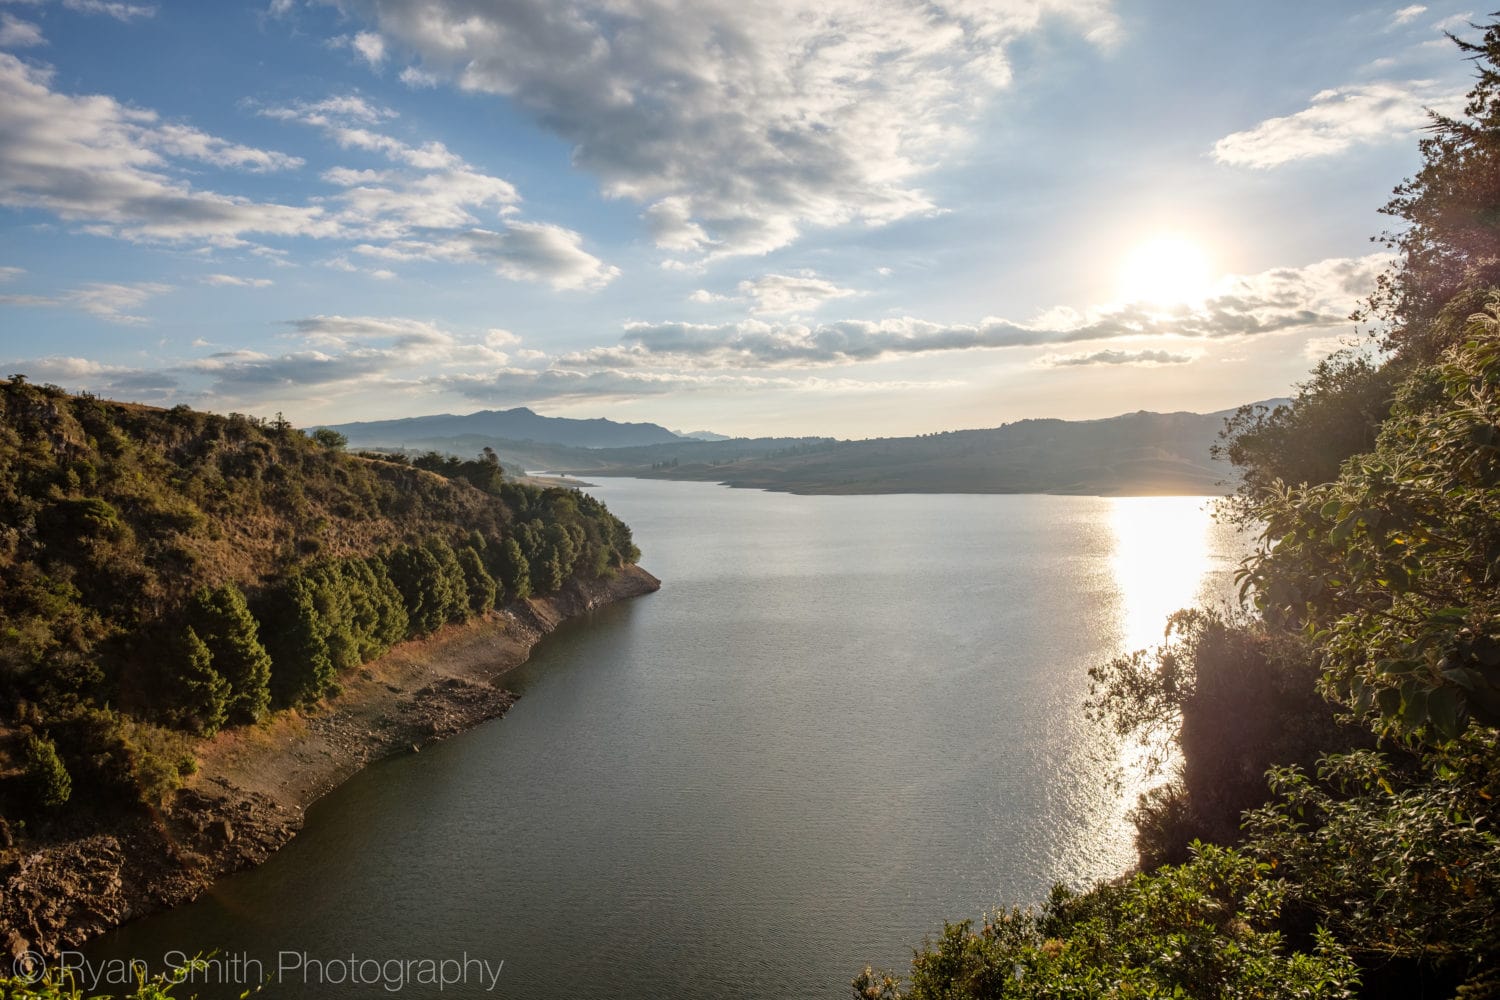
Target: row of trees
1334 825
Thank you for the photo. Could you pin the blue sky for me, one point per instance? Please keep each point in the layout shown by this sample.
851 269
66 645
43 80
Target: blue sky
850 217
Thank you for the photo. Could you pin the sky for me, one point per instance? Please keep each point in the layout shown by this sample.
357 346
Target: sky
778 217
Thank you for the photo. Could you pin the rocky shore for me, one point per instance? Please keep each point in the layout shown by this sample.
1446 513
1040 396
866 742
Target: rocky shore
247 798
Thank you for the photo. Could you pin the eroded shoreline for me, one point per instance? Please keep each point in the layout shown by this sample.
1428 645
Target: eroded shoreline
252 785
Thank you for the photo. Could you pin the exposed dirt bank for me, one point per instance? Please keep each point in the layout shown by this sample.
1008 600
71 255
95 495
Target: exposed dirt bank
247 798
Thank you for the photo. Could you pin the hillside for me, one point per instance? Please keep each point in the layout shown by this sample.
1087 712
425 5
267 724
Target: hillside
1136 453
520 424
167 574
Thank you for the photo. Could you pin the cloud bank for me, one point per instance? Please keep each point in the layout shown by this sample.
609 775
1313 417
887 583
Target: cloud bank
737 125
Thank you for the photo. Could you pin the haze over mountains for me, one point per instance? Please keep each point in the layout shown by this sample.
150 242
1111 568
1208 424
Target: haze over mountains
1131 454
519 424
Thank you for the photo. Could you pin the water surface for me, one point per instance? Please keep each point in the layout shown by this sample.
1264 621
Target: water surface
841 721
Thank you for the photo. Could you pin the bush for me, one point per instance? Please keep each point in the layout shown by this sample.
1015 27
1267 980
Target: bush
1207 928
47 781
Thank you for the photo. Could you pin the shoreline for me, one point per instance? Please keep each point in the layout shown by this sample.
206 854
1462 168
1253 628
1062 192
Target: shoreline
253 784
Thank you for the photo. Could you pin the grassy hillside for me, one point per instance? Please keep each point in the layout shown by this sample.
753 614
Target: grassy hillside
171 572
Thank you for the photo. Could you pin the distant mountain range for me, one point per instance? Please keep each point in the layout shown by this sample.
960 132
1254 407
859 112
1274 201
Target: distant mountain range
519 424
1131 454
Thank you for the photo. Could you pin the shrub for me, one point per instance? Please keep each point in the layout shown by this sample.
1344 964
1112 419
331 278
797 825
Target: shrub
47 780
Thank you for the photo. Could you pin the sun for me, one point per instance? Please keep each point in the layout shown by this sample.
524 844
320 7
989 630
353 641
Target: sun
1167 270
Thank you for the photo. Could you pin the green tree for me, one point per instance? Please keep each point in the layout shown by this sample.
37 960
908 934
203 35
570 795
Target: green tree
329 438
47 779
512 569
1448 246
452 589
222 620
1221 700
297 639
479 585
202 694
1395 566
1335 414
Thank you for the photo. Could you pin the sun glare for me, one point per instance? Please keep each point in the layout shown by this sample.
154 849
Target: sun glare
1166 271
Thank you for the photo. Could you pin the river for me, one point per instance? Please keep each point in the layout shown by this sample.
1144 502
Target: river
840 722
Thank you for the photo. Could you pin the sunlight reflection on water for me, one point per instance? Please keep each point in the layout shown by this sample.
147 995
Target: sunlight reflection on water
1169 554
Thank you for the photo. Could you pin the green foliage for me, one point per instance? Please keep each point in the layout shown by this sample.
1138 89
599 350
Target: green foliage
483 474
1207 928
1394 568
1226 699
1335 413
431 584
1448 251
222 619
297 636
50 985
329 438
202 695
512 569
1397 864
47 780
478 583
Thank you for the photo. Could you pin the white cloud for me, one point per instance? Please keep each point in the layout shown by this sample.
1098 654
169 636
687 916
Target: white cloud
118 11
789 293
515 386
1111 356
112 169
1337 120
108 301
1318 297
801 291
524 251
418 79
117 381
10 273
237 282
737 125
371 48
1454 23
425 208
18 34
92 160
187 142
1406 15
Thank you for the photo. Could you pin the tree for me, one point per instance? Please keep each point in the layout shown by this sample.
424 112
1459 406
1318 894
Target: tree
223 622
479 585
202 694
1223 699
46 777
330 438
1395 566
297 639
1448 253
1335 414
513 569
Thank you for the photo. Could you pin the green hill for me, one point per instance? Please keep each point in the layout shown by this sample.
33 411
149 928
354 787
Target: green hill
166 573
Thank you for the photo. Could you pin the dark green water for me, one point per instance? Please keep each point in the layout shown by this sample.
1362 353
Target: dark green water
841 721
